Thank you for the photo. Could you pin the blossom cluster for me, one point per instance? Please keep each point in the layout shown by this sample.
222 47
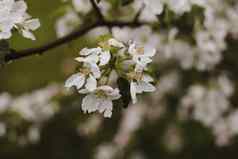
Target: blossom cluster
13 16
35 108
211 106
128 61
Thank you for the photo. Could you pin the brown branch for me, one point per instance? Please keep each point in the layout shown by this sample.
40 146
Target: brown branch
97 10
14 55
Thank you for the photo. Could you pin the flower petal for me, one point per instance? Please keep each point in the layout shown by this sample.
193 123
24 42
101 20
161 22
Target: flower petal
77 80
147 78
28 34
91 83
146 87
104 57
133 92
105 106
90 103
95 70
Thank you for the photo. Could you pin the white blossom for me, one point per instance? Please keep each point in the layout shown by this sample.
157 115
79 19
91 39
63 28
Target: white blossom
13 15
141 56
100 99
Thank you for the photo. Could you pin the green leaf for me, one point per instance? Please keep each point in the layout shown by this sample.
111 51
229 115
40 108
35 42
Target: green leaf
126 2
124 87
4 50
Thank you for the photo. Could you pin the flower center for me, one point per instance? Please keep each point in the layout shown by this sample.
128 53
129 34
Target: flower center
140 50
101 94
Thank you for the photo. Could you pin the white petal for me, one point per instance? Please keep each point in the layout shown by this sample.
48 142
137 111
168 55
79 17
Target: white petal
91 83
105 57
83 91
5 35
105 107
95 70
87 51
133 92
105 88
147 78
90 103
75 80
32 24
115 94
132 49
27 34
107 114
150 52
146 87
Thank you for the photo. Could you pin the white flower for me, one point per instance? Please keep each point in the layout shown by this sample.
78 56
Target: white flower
79 79
141 56
100 99
139 83
27 25
94 56
13 15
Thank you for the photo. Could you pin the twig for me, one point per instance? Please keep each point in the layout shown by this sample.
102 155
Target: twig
14 55
137 16
97 9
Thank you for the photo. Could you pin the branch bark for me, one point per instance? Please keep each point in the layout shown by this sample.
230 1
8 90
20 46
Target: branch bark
101 22
15 55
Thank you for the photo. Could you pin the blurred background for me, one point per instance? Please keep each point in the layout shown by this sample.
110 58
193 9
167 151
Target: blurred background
192 115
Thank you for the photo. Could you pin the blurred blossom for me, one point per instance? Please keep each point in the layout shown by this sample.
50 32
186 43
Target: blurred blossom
168 84
90 126
67 23
36 106
3 129
180 6
141 35
82 6
233 122
151 8
131 121
211 106
33 134
5 100
208 104
106 151
95 33
173 140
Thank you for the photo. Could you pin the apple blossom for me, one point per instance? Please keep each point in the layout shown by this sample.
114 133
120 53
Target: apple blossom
13 15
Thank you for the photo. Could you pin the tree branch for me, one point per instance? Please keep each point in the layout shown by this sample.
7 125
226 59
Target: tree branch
97 9
14 55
